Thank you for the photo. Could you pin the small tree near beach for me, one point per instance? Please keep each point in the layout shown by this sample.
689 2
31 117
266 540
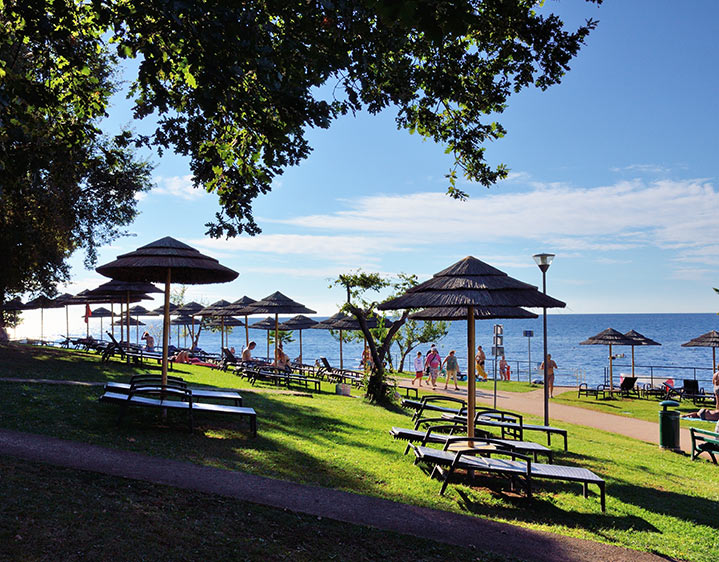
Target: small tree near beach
379 340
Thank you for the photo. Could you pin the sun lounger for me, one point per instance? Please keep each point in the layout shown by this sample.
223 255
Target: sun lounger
586 390
704 441
334 374
173 396
691 391
197 393
482 458
432 403
431 435
513 429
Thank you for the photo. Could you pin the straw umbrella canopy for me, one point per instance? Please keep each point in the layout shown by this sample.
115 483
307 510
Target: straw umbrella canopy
14 305
640 340
268 324
137 311
190 309
65 300
101 312
470 283
42 302
710 339
183 320
237 307
166 260
120 290
276 304
610 337
328 324
480 313
217 310
299 323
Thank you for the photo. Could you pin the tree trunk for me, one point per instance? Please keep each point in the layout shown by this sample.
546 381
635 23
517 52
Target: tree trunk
377 388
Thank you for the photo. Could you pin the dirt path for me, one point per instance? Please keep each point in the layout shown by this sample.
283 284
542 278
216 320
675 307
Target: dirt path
442 526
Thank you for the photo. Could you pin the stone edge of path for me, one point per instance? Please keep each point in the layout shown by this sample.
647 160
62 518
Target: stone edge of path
451 528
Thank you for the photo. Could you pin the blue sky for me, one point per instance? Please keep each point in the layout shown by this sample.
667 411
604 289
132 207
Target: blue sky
614 170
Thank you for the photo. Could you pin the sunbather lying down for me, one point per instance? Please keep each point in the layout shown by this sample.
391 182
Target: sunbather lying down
704 414
184 357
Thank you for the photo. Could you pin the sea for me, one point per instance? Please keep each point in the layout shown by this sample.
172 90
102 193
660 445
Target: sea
576 363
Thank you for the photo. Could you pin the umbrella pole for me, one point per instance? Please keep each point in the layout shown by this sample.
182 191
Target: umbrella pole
193 334
247 333
268 345
301 347
611 374
42 325
632 360
88 329
714 358
277 331
67 325
112 320
127 313
341 364
222 319
471 382
166 328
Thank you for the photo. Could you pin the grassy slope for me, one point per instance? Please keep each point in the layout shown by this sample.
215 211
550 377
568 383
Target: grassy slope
51 513
657 501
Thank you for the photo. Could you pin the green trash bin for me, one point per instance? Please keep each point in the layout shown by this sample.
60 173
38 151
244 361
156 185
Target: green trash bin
669 426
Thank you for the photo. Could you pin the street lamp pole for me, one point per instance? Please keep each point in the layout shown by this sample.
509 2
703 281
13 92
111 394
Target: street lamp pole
544 261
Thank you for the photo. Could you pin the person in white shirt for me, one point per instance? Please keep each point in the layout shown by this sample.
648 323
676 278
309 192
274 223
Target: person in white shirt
418 368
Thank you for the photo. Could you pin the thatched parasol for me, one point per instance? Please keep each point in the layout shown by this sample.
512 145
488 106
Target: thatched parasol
328 324
299 323
471 283
710 339
268 324
610 337
100 312
480 313
42 302
13 305
640 339
166 260
190 309
218 309
237 307
182 320
127 291
276 304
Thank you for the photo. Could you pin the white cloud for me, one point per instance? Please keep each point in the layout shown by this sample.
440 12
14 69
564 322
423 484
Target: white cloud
349 251
178 186
627 215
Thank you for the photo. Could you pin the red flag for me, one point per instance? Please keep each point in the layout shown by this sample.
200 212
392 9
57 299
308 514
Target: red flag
88 312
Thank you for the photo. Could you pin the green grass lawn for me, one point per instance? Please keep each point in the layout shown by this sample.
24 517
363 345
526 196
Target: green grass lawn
656 501
644 409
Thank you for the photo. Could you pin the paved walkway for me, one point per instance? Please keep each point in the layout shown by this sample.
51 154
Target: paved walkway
442 526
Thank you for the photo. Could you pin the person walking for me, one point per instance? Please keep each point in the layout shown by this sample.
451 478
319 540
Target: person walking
551 365
418 368
433 362
479 359
450 363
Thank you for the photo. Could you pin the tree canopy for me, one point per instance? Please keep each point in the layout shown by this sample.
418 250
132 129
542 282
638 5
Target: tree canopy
63 184
235 86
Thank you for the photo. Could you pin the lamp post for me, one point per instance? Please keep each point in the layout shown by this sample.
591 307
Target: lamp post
544 261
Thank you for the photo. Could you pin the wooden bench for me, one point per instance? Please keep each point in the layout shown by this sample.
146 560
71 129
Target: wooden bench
197 393
704 441
173 396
